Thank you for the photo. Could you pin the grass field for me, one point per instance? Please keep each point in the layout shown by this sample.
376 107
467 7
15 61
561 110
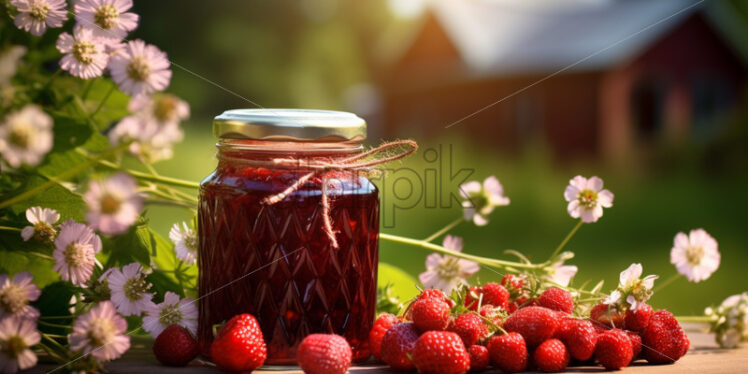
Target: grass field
649 209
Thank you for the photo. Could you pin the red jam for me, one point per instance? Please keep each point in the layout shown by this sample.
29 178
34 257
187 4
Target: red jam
276 261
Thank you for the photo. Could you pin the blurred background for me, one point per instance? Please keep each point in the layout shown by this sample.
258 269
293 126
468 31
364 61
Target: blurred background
648 95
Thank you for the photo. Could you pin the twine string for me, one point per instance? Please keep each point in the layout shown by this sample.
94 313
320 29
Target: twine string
362 162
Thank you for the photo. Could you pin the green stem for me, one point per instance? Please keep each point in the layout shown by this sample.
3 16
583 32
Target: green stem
56 317
151 169
667 282
41 255
437 248
52 78
148 177
62 176
566 239
445 229
87 89
53 325
101 103
6 228
54 342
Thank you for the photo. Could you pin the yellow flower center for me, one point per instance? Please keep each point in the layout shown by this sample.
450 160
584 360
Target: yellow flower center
109 204
587 198
101 332
165 108
20 136
138 69
75 254
43 232
39 11
135 287
106 16
170 315
13 346
694 254
12 299
449 268
84 51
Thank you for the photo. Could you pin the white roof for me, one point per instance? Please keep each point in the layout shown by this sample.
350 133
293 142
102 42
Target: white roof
495 36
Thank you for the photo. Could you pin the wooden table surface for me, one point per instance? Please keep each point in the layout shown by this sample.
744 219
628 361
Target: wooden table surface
704 357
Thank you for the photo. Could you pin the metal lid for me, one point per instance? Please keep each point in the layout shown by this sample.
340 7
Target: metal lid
301 125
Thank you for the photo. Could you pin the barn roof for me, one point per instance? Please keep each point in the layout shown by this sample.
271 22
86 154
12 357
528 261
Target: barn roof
499 36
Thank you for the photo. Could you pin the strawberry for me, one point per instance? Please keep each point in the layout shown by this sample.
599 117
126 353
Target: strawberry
324 354
557 299
469 327
614 350
439 294
637 320
512 283
239 346
175 346
479 358
636 343
606 315
381 325
551 356
580 338
430 314
496 295
536 324
440 352
663 340
508 352
472 297
397 345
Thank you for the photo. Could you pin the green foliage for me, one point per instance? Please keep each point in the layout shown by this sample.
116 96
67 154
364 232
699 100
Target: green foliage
401 284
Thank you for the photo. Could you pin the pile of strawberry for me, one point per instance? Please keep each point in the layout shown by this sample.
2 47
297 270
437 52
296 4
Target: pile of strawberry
496 325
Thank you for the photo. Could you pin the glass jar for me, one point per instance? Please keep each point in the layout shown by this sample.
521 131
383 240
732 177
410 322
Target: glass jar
275 261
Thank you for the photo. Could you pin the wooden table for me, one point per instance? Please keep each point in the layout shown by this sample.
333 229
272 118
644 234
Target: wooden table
704 357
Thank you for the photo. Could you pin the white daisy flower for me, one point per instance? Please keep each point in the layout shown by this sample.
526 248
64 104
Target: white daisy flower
482 199
35 16
185 242
171 312
561 274
587 198
107 19
15 295
25 136
153 126
129 289
42 222
729 321
635 290
101 333
75 250
140 69
17 336
85 55
113 204
447 272
695 255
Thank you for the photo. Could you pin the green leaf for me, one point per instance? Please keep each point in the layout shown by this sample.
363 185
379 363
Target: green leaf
132 246
401 283
55 302
57 197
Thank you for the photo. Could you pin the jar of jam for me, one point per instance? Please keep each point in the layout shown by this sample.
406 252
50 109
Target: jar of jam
277 261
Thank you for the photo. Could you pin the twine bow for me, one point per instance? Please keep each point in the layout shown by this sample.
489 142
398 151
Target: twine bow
365 162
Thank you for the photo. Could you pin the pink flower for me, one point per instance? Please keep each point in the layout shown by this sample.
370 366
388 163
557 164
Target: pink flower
587 198
26 136
140 69
482 199
695 255
107 19
42 224
75 250
101 333
447 272
17 336
35 16
129 288
15 295
85 55
172 311
113 204
185 242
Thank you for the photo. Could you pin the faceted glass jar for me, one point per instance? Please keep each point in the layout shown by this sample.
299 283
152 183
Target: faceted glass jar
276 261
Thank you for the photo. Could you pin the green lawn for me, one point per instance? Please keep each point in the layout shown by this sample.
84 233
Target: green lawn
649 209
